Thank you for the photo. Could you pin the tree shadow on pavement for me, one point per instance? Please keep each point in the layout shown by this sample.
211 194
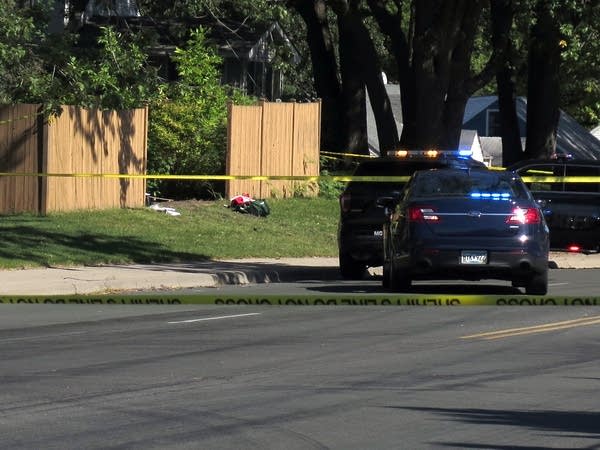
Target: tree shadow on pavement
567 423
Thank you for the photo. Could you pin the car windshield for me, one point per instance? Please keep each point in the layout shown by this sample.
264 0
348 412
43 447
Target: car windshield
435 183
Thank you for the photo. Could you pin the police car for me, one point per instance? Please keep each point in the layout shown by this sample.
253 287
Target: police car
458 224
360 226
571 208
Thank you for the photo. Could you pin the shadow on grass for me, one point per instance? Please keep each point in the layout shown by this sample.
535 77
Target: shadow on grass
579 424
48 248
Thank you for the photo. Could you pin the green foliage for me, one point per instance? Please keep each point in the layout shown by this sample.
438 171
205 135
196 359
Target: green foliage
116 76
580 68
330 189
37 67
188 131
185 138
21 69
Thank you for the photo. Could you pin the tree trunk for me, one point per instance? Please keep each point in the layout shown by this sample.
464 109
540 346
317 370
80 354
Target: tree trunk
543 84
370 69
391 25
325 72
436 31
502 18
353 89
461 85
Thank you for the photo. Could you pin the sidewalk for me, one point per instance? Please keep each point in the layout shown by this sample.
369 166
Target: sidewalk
106 279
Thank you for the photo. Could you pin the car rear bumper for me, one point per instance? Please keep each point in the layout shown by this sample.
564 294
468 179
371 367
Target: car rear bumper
423 263
368 249
364 243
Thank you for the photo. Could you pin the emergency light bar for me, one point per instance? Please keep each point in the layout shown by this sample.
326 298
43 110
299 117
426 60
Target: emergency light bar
428 153
490 195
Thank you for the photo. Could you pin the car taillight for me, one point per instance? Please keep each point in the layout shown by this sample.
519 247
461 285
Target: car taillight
574 248
345 202
422 214
524 216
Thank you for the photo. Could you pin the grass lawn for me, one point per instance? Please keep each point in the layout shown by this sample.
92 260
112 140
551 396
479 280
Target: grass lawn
205 230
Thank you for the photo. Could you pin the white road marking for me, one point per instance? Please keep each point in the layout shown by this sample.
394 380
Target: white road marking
536 328
216 318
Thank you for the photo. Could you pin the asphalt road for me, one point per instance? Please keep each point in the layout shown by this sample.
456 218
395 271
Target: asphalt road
212 377
561 282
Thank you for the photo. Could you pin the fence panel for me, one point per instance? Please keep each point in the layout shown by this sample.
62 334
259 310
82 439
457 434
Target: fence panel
96 142
277 148
19 153
305 160
273 139
244 135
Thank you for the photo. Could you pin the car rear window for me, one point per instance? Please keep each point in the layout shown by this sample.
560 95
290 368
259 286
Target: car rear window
454 183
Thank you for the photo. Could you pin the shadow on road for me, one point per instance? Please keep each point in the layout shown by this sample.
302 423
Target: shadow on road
582 424
421 288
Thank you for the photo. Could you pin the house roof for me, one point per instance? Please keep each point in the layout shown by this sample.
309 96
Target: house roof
393 91
234 39
467 137
475 105
246 40
571 137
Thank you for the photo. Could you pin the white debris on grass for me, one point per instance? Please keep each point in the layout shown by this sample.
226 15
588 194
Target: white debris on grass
167 210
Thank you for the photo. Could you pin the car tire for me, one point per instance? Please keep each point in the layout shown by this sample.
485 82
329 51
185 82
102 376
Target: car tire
399 280
537 284
386 275
350 268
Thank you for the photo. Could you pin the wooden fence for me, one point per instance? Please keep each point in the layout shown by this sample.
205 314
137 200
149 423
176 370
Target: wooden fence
78 141
273 139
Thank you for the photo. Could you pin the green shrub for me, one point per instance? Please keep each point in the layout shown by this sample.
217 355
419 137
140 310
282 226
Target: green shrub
187 134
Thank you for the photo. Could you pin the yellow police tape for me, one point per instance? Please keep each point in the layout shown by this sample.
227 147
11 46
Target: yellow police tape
305 300
347 155
9 121
342 178
214 177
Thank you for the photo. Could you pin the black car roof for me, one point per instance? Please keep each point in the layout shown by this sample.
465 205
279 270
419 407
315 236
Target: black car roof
388 164
527 162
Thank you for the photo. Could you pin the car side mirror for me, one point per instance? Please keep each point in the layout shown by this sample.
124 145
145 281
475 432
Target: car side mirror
388 202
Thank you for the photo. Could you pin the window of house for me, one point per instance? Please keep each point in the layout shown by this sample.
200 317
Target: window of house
493 123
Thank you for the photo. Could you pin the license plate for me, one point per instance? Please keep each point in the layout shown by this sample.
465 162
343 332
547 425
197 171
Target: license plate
473 257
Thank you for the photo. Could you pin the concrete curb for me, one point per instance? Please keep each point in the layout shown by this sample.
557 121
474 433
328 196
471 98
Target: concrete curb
106 279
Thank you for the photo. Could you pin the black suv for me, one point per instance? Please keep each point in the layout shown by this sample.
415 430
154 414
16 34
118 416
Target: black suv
360 228
571 208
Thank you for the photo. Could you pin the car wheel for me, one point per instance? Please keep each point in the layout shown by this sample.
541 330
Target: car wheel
399 280
350 268
537 284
